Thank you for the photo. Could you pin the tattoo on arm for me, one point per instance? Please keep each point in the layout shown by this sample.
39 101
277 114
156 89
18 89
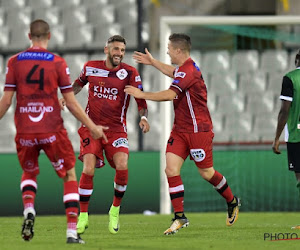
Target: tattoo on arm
76 88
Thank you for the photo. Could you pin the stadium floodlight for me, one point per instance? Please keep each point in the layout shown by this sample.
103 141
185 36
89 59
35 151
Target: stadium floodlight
165 107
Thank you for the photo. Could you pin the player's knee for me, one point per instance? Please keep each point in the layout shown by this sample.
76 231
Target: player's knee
207 173
171 172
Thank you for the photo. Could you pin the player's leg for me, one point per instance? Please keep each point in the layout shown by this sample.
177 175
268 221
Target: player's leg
28 188
90 154
86 186
71 199
201 153
61 155
120 162
294 165
221 186
176 190
28 158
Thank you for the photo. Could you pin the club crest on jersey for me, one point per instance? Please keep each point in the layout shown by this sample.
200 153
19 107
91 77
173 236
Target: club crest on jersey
122 74
198 154
180 74
36 108
121 142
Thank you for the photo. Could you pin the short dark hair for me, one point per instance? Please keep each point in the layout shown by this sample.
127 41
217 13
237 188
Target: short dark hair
116 38
39 29
181 41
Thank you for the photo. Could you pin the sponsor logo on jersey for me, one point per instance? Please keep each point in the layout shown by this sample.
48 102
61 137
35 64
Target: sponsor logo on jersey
121 142
31 143
175 81
122 74
106 93
41 56
91 71
37 108
198 154
138 79
67 71
140 86
180 74
58 165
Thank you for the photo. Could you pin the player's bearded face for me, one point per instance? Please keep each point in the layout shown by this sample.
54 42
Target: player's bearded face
114 59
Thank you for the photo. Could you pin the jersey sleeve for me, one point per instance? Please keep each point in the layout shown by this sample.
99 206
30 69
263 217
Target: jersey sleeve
64 81
136 81
10 80
82 78
182 80
287 89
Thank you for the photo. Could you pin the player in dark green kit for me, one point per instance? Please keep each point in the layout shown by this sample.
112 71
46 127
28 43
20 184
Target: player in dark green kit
289 119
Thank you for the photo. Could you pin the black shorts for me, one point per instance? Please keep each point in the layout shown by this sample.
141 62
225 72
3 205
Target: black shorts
293 152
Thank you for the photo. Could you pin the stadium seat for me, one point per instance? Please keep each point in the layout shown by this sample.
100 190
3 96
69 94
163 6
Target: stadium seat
82 96
239 123
16 17
79 37
228 103
211 101
127 15
102 33
74 16
196 56
98 56
274 60
96 3
2 67
75 63
40 3
223 83
292 55
67 4
216 62
102 16
19 39
265 126
260 103
151 139
253 82
2 17
52 15
218 121
57 39
245 61
13 4
4 36
275 83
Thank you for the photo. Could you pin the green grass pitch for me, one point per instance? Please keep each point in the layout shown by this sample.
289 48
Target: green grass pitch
206 231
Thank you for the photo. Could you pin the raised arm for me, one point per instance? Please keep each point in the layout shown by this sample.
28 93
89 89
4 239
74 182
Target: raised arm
75 108
148 59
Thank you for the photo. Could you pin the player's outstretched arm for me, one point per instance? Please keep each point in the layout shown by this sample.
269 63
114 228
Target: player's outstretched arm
164 95
5 102
282 119
148 59
76 88
75 108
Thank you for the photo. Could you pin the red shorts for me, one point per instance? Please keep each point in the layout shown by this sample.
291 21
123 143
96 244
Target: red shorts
197 145
57 147
117 142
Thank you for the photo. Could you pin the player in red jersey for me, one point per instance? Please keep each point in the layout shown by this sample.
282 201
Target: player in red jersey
192 130
35 74
107 105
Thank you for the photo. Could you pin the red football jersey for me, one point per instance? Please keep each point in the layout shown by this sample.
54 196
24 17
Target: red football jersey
107 102
190 104
35 74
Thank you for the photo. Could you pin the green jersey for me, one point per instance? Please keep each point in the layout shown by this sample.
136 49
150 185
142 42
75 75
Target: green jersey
291 92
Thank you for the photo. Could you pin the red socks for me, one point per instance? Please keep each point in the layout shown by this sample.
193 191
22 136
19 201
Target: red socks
120 185
176 190
71 198
220 184
85 191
